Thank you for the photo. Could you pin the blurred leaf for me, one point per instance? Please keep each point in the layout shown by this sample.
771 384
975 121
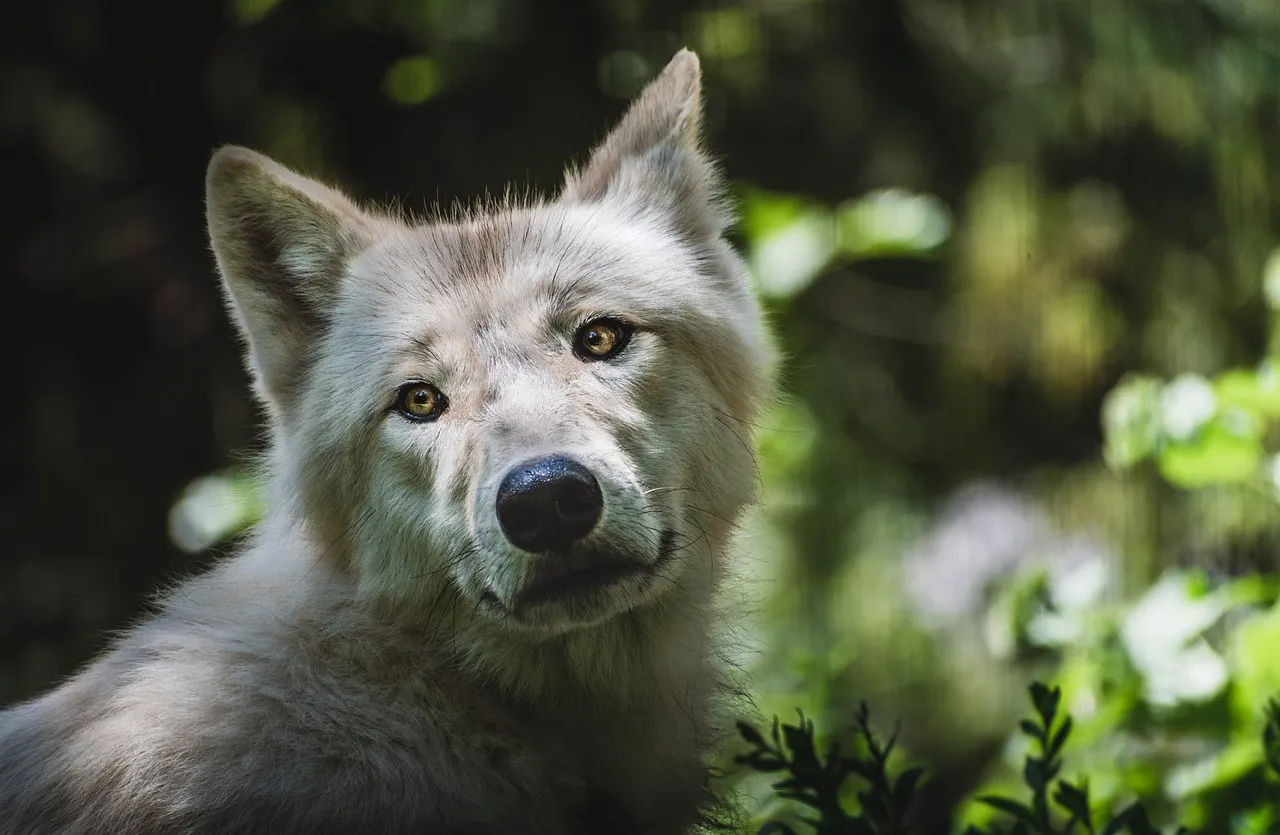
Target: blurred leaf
412 80
727 32
251 11
1131 420
1271 736
1014 809
1254 391
1161 634
213 509
1186 404
1217 456
1074 800
892 222
1271 279
1255 656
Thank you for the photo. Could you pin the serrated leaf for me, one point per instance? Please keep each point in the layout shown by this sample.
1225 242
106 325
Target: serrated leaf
904 788
854 765
750 734
1060 737
765 763
802 796
1033 774
1135 818
803 759
1039 695
1075 801
1271 736
1014 809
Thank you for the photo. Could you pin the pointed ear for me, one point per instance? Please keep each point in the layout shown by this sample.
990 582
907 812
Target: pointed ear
282 243
653 159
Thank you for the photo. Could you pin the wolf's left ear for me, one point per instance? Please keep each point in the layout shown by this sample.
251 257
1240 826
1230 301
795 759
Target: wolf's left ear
282 242
653 159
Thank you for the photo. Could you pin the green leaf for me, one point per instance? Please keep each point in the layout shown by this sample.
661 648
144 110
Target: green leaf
1075 801
1060 738
412 80
1015 810
750 734
252 11
1253 391
1131 420
774 828
1135 818
1271 736
1255 662
1046 702
904 789
891 222
800 742
1216 456
1033 774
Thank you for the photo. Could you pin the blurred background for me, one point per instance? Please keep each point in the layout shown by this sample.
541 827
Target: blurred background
1021 255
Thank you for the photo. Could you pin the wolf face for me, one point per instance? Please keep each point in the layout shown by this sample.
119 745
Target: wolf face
532 417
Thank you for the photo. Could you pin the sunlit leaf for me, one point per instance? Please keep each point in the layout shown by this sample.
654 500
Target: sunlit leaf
213 509
892 222
1255 391
1186 404
1131 420
1217 456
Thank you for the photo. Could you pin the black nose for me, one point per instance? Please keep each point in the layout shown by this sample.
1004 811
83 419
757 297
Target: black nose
548 504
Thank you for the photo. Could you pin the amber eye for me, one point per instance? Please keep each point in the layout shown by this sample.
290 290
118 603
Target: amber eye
601 339
421 401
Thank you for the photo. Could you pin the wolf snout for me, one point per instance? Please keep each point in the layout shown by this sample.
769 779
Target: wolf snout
548 504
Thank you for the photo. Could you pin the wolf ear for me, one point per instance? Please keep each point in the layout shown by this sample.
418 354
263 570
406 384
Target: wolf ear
653 159
282 243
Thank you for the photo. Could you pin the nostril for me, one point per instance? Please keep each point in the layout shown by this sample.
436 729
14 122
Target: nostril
579 501
520 519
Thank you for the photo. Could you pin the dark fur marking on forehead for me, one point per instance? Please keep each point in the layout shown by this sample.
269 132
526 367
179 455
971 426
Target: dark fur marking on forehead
460 483
423 350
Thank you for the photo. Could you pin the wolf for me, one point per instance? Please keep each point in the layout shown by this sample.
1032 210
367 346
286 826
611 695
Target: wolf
507 452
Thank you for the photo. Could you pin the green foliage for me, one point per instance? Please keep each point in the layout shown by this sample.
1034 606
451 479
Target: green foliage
1199 431
1170 691
1057 806
818 782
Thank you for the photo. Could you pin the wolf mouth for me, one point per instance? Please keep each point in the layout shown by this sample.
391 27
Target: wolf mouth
582 572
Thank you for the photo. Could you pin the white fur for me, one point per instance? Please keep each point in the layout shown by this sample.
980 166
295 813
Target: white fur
360 665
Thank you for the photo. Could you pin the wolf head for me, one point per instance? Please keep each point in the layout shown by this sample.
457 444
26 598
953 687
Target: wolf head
536 415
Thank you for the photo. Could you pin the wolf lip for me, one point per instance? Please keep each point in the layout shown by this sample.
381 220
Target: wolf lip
561 581
571 574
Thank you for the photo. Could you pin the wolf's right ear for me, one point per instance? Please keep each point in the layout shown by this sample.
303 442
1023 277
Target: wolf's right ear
282 243
654 160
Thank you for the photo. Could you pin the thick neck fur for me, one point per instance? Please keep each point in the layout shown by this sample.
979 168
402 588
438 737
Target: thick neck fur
634 704
656 659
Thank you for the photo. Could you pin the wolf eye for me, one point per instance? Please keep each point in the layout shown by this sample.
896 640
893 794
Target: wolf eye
601 339
421 401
